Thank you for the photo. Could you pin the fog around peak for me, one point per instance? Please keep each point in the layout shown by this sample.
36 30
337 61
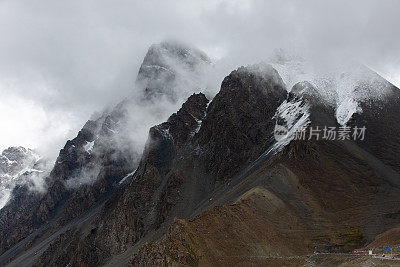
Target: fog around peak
63 61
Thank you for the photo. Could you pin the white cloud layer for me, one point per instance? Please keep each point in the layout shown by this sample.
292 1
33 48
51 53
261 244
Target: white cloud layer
62 60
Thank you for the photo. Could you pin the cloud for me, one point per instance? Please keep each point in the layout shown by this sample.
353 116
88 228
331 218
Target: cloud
61 61
25 123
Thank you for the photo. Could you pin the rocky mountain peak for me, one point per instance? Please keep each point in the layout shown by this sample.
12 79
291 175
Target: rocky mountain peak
169 66
307 91
261 77
160 55
239 119
302 88
195 105
166 137
18 165
15 159
249 86
219 162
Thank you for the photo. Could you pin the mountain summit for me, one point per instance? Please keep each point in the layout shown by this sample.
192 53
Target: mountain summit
170 68
19 166
213 184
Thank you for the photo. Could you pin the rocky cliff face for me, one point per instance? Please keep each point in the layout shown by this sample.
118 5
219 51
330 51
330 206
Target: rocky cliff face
81 174
378 115
19 166
213 185
90 166
239 125
308 195
170 68
21 175
147 199
183 161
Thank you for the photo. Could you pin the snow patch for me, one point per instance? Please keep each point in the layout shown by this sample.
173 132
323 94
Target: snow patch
164 132
290 116
126 177
20 166
5 196
342 86
89 147
346 109
199 122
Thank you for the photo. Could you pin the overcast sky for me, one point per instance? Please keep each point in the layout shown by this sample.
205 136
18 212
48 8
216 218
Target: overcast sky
62 60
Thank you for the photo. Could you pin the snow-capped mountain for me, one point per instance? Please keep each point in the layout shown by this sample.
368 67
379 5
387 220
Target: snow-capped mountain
108 148
343 86
19 166
207 178
172 70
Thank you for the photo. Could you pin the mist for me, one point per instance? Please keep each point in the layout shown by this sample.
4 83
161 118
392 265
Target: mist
62 62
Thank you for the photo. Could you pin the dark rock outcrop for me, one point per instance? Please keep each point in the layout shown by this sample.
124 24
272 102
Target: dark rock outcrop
239 125
238 196
144 204
90 167
162 186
